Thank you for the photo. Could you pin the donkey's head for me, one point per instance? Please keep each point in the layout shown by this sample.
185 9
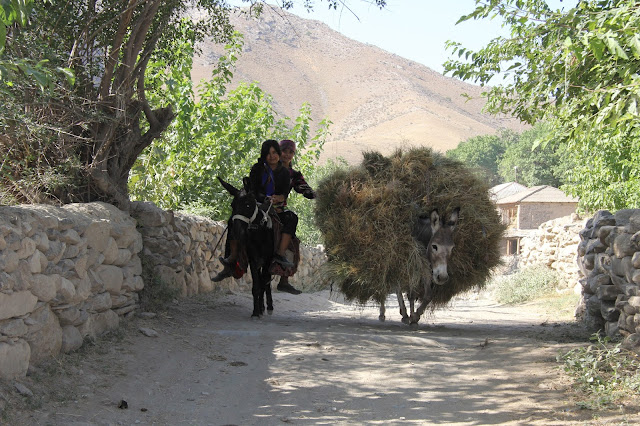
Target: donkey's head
244 207
437 236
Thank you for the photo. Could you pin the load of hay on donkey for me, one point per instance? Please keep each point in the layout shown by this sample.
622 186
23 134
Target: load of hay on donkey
366 214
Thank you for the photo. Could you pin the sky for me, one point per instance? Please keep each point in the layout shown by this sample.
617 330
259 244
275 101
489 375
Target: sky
414 29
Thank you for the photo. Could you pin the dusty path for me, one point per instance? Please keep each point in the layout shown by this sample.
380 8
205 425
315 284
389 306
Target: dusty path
317 361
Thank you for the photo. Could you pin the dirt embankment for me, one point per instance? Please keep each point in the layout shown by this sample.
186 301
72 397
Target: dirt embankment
316 360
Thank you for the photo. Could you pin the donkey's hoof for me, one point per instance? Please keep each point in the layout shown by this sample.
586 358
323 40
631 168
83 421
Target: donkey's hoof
270 311
255 317
413 325
405 320
381 318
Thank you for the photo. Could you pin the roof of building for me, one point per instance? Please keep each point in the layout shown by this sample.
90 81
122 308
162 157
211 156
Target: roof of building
505 189
538 194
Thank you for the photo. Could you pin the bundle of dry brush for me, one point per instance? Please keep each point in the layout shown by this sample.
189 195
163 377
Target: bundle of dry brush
366 214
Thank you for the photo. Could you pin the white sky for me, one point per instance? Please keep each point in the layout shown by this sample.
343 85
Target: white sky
413 29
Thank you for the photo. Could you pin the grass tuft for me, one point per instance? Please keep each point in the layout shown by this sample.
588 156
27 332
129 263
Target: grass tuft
157 293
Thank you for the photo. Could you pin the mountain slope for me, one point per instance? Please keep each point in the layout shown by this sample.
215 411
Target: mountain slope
375 99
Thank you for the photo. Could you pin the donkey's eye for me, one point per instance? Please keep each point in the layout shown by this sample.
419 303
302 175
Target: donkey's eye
434 247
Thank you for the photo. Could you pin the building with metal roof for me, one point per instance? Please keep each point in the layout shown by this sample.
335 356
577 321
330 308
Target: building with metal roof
524 210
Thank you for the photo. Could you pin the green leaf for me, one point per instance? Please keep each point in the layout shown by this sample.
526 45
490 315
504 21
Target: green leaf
568 42
634 44
614 47
3 36
69 75
597 47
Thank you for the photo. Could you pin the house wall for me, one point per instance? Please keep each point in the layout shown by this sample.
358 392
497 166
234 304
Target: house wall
508 219
531 215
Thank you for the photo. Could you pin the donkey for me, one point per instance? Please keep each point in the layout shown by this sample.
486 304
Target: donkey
251 226
436 236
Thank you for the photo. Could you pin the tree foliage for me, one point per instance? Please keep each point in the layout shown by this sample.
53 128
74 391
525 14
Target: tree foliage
483 153
509 156
531 163
216 133
578 69
78 143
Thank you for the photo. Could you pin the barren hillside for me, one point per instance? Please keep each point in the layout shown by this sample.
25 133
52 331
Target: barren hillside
375 99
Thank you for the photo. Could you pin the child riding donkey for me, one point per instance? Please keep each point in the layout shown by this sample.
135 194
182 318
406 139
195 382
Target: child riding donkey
298 184
271 181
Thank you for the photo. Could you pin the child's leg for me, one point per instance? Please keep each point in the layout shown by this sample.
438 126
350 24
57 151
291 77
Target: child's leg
284 285
289 223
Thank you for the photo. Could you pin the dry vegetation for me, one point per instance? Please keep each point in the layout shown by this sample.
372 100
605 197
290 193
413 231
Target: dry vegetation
366 214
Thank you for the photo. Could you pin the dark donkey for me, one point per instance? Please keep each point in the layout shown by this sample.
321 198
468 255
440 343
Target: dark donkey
251 226
437 238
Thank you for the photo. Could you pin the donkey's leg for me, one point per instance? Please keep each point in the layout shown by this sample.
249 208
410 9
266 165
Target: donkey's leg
426 299
412 300
256 291
261 301
262 291
267 290
403 307
381 317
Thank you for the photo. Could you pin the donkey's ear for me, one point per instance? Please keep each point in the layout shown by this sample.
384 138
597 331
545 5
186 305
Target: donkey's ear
246 183
453 218
230 188
435 220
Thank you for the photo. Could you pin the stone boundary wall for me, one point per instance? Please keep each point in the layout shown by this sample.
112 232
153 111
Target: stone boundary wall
555 244
184 251
66 273
72 272
609 258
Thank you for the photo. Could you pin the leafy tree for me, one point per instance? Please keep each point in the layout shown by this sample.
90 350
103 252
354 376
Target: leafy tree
78 142
81 141
577 68
307 231
483 153
13 15
532 162
219 134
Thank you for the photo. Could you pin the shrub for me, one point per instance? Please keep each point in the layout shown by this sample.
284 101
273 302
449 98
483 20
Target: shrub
604 372
525 285
157 293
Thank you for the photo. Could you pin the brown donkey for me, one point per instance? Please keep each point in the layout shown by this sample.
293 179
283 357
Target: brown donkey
437 237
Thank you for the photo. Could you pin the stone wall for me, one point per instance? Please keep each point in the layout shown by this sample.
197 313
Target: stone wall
65 274
555 244
72 272
609 258
184 251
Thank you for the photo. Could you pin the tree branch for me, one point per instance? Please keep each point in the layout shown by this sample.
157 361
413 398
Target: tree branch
110 66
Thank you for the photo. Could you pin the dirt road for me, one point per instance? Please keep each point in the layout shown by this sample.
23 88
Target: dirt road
316 361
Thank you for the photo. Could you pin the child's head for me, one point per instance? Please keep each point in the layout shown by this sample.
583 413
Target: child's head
288 144
288 148
266 147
